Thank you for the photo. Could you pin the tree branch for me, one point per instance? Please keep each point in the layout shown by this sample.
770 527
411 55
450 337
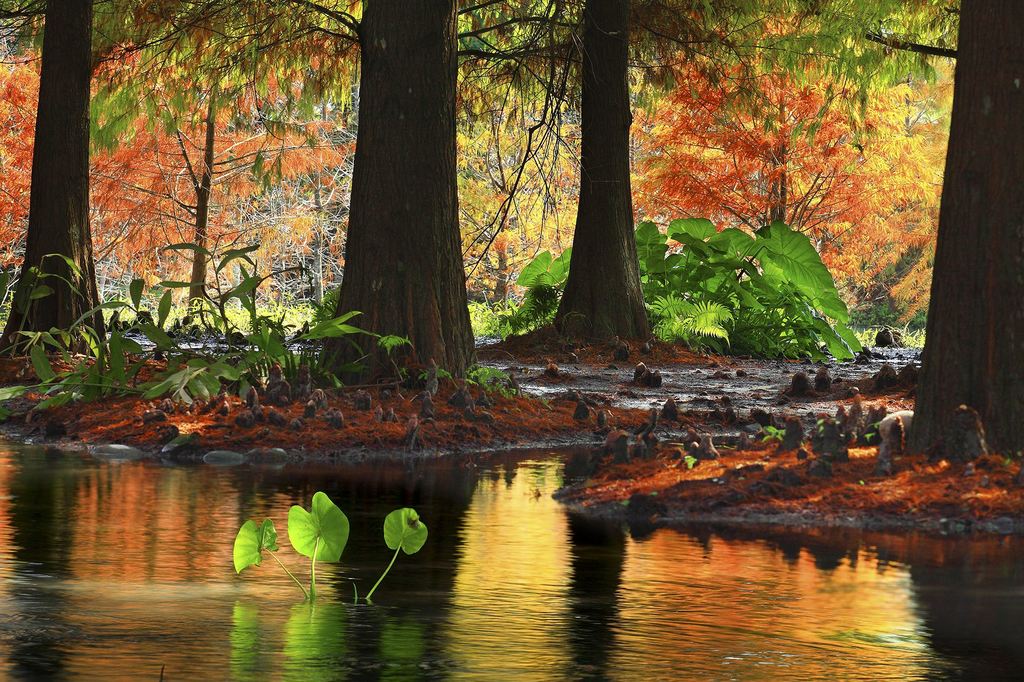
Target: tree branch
897 44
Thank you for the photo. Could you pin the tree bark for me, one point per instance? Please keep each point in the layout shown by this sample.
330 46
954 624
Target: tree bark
602 295
203 190
975 336
403 265
58 221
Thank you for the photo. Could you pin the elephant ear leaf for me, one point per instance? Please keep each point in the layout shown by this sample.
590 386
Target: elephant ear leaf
250 542
323 529
403 528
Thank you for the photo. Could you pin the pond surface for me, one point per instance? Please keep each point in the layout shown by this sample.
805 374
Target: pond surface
116 571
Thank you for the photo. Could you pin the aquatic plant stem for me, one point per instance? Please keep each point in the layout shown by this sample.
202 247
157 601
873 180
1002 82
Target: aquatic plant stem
290 575
312 570
382 576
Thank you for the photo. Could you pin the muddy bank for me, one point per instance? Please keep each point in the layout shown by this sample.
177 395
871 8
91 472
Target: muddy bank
346 425
765 486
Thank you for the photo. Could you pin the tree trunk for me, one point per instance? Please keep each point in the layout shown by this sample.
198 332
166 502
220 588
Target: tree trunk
975 337
602 296
403 265
58 221
203 190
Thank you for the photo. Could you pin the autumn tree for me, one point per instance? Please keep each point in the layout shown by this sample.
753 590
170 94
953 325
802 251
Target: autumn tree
975 334
58 221
862 180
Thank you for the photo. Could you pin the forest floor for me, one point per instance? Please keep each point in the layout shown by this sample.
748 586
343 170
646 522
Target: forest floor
574 397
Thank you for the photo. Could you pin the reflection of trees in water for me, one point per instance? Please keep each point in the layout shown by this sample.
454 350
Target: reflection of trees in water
967 591
598 553
41 491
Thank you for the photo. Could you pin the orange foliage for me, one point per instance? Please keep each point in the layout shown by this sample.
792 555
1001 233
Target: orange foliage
863 180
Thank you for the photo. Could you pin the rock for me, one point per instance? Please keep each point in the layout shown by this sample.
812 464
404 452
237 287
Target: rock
760 416
884 338
335 418
279 391
267 455
252 399
362 401
461 399
552 370
224 458
276 418
720 374
303 383
886 377
319 399
412 432
670 411
426 406
639 372
706 449
654 379
621 352
966 436
823 380
117 453
582 412
153 416
430 385
741 373
793 435
907 376
828 441
799 385
617 445
821 468
296 424
245 419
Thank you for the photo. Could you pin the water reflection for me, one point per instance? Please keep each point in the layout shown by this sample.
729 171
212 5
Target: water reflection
118 570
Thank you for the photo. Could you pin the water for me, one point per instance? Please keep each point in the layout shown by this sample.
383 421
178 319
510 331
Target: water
116 571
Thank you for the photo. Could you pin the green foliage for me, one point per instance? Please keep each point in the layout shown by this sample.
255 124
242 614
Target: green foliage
544 279
763 294
102 365
321 533
772 433
251 542
403 531
490 379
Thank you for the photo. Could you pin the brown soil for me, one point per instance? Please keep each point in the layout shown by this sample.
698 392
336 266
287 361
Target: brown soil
760 485
510 421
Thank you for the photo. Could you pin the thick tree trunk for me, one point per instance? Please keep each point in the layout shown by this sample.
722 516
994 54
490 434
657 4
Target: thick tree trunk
975 338
403 265
602 296
58 221
203 191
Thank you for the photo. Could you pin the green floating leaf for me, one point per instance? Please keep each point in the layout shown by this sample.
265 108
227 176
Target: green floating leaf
403 528
251 541
326 523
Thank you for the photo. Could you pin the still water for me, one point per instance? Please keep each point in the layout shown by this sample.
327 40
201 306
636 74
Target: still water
118 571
